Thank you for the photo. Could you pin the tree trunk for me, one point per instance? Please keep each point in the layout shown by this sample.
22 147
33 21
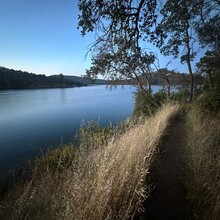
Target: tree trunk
189 64
141 87
191 79
168 87
148 84
209 76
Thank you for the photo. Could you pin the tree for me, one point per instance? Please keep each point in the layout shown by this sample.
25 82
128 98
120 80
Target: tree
209 65
208 25
120 27
208 32
132 68
175 31
165 76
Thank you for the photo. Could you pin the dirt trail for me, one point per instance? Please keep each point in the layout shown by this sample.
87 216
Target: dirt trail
167 200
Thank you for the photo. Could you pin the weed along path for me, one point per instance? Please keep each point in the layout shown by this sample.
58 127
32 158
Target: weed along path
167 199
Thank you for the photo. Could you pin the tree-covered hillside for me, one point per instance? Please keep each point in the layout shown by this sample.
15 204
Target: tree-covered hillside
17 79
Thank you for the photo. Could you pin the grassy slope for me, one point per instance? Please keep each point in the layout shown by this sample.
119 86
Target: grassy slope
203 164
106 182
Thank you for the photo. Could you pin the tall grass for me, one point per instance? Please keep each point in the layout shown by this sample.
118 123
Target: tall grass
203 154
106 182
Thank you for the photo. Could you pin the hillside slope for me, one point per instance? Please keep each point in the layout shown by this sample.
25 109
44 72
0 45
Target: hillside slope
103 182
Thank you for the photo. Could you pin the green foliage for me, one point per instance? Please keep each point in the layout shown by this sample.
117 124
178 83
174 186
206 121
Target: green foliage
174 32
173 29
209 32
17 79
91 135
181 96
209 66
117 17
210 99
146 105
160 97
120 26
55 159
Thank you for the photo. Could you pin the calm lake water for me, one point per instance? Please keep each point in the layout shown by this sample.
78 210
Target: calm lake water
33 120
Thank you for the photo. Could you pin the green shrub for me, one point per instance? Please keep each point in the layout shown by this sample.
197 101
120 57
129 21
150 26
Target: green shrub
55 159
146 105
91 135
160 98
180 96
210 99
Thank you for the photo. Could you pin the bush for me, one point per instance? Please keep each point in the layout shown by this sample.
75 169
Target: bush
146 105
210 99
181 95
91 135
55 159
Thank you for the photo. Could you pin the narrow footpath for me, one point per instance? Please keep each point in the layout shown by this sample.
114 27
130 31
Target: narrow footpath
168 199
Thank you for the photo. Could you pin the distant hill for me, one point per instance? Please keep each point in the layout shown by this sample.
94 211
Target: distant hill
17 79
85 80
162 76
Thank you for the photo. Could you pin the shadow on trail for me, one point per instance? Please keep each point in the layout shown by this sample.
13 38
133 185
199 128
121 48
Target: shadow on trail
168 197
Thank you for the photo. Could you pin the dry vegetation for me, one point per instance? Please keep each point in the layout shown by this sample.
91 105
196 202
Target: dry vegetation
203 157
105 182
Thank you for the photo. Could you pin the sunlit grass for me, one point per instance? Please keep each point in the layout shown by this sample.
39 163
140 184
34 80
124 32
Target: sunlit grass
203 158
104 182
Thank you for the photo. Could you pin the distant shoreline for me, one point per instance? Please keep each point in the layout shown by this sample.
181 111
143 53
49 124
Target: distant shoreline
55 87
16 79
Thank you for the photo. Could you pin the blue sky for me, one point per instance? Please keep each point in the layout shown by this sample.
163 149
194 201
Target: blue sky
41 36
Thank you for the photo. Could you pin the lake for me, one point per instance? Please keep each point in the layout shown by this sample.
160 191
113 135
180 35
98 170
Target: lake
33 120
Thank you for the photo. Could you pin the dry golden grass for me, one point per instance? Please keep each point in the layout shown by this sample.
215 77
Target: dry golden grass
203 154
105 182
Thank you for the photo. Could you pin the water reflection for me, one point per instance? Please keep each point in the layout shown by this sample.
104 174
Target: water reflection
33 120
